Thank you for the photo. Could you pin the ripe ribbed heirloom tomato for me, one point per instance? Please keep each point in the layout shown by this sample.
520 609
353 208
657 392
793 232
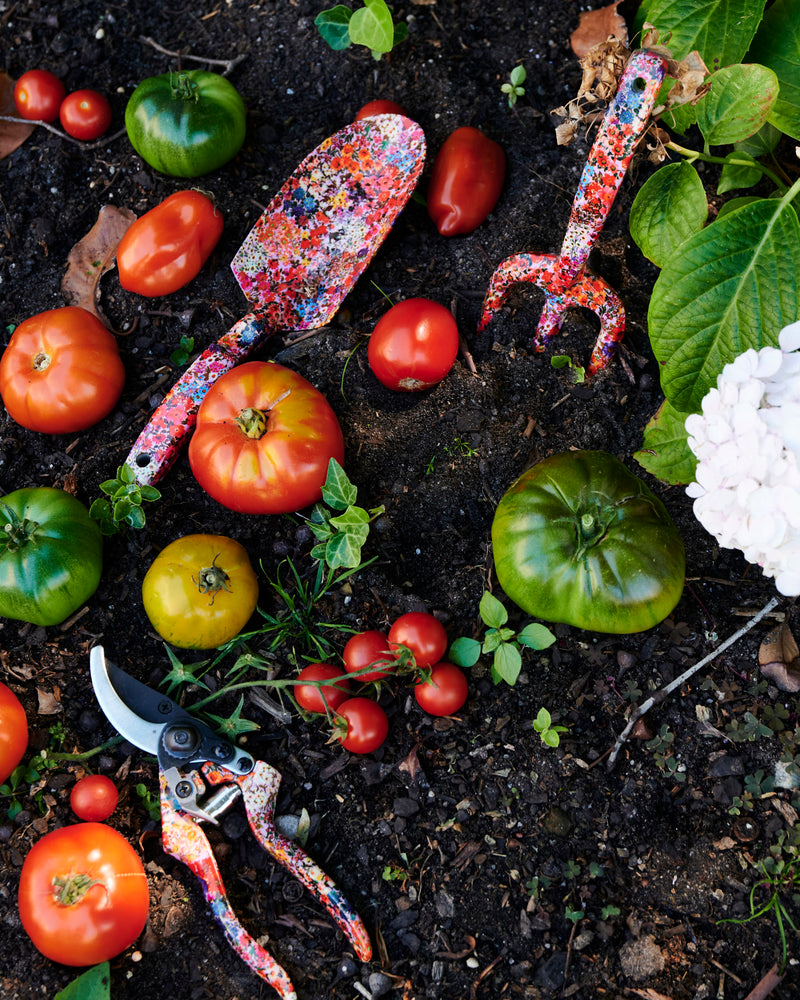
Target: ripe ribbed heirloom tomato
13 731
61 371
580 539
200 591
263 440
466 181
83 895
413 345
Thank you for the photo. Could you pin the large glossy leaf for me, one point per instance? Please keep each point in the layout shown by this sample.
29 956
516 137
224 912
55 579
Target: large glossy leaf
669 208
777 45
665 451
738 104
720 30
730 287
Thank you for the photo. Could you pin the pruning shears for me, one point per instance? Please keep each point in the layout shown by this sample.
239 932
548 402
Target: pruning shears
201 775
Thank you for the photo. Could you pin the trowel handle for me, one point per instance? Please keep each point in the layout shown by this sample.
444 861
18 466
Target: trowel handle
168 430
623 125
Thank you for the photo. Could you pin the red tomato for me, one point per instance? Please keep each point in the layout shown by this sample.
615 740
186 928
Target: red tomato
314 699
466 181
423 634
38 95
164 249
61 371
445 692
94 797
83 894
263 440
366 648
413 345
367 725
13 731
380 108
85 114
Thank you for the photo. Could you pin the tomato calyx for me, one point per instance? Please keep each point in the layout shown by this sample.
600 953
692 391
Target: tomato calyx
182 87
252 422
41 361
17 532
212 579
70 889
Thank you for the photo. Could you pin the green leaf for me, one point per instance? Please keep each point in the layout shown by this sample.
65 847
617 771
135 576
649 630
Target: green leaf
149 493
492 640
733 286
518 75
400 32
94 984
736 174
536 636
720 30
334 26
665 451
135 517
777 45
738 104
465 652
492 611
507 663
551 738
762 143
734 203
343 551
234 725
338 492
542 721
669 207
372 26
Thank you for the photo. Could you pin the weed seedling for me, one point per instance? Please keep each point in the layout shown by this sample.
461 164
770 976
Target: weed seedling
122 505
370 25
547 731
514 88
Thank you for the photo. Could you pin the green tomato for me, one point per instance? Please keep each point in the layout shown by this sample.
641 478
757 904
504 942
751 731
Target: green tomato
580 539
186 124
51 555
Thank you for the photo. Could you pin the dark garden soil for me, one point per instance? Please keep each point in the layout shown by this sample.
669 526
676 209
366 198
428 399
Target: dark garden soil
470 810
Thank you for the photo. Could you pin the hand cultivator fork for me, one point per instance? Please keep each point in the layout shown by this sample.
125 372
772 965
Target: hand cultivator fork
564 278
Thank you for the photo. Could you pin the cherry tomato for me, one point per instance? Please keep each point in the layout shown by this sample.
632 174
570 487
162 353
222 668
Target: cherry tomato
365 648
61 371
83 895
13 731
423 634
38 95
264 439
445 692
314 699
94 797
164 249
85 114
380 108
366 722
413 345
466 181
200 591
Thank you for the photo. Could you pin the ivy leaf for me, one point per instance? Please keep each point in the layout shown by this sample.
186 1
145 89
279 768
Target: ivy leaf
338 492
334 26
492 611
734 285
669 207
665 451
738 104
343 550
777 45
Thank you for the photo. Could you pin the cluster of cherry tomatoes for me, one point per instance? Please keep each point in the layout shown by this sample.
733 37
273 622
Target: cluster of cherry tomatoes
40 96
415 644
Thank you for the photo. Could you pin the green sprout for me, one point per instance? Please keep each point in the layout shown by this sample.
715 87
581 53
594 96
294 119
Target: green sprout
514 89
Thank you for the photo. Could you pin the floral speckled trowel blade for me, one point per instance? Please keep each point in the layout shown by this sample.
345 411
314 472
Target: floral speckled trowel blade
302 257
564 278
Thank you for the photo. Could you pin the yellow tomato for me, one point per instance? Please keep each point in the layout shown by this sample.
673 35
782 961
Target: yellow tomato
200 591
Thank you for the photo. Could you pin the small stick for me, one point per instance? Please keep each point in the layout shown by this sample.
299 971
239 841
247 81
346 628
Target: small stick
63 135
228 64
669 688
766 985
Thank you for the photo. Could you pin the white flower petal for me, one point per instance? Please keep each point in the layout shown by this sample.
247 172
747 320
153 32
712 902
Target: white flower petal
789 337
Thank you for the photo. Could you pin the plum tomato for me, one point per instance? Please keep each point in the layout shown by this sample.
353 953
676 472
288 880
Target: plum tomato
444 692
366 725
413 345
61 371
13 731
366 648
94 797
423 634
85 114
466 181
83 895
200 591
380 108
165 249
38 95
314 699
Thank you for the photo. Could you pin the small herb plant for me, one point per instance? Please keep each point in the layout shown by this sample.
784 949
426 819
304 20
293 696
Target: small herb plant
500 641
370 25
122 505
543 725
183 351
340 537
577 373
514 88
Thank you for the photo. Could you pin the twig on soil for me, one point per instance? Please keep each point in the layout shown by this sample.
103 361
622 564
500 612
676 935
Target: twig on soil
662 693
63 135
766 985
228 64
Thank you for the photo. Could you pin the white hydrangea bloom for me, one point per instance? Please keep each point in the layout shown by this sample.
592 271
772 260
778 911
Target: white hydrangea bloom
747 443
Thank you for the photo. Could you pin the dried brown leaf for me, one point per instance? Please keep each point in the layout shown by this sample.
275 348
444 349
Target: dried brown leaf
778 645
12 134
784 677
595 26
92 256
411 765
49 702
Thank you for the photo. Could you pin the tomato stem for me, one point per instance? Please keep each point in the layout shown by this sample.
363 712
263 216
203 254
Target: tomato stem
70 889
590 529
16 531
212 579
41 362
252 422
182 87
